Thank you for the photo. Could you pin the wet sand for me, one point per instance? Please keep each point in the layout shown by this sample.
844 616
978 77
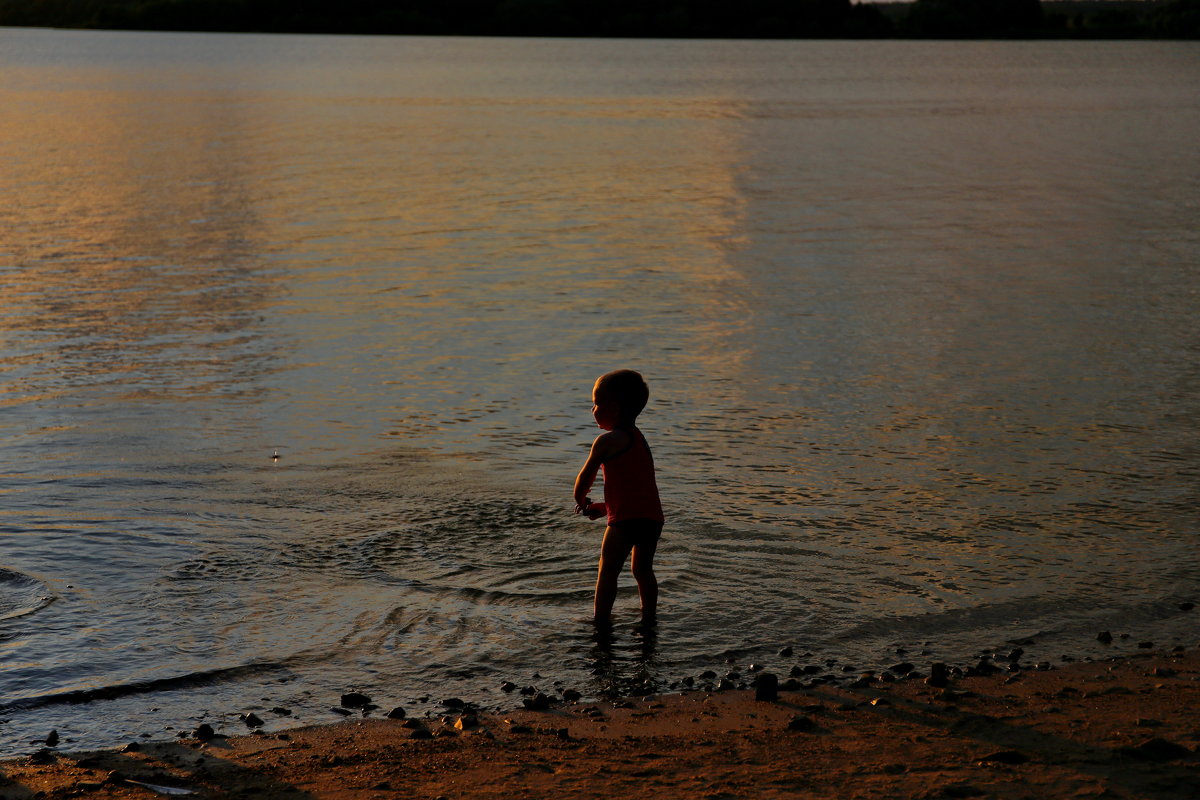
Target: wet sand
1126 728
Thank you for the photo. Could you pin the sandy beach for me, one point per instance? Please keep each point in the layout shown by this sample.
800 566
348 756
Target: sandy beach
1121 728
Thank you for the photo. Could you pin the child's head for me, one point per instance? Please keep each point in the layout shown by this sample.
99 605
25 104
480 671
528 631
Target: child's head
619 397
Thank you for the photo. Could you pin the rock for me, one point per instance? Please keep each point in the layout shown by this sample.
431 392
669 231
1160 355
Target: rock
420 733
522 729
529 691
1186 606
1158 749
726 685
802 724
796 671
707 675
939 676
785 652
1146 645
733 676
466 722
812 669
1015 654
1004 757
281 711
688 681
132 747
52 739
766 687
508 686
339 710
903 668
791 685
412 724
355 700
252 720
453 702
205 733
756 667
539 702
396 713
43 756
572 696
1104 637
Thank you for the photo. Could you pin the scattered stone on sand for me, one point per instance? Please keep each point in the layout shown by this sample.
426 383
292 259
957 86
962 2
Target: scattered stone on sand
412 723
707 675
204 732
466 722
281 711
355 700
508 686
1186 606
939 675
252 720
903 668
785 652
132 747
345 712
52 739
1156 749
453 702
766 687
1146 645
539 702
420 733
396 713
572 696
802 724
1011 757
1104 637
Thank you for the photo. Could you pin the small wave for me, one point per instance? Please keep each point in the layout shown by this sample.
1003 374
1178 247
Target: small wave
202 678
21 594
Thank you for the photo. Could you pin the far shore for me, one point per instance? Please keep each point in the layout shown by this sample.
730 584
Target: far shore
1120 728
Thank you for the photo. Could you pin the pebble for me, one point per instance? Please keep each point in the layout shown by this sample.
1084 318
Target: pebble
903 668
1146 645
453 702
508 686
252 720
355 700
539 702
1104 637
766 687
396 713
785 652
338 710
420 733
802 724
1186 606
52 739
205 733
572 696
281 711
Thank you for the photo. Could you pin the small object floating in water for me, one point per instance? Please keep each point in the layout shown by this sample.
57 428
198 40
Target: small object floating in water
275 456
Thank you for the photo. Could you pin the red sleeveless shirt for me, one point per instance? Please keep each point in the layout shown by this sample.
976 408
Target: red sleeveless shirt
629 488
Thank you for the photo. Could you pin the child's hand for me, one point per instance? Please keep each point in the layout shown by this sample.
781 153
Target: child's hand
590 510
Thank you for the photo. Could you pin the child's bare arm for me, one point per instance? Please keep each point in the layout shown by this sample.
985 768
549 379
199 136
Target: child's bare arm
602 448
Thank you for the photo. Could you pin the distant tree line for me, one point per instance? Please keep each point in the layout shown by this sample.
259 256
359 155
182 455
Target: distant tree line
755 19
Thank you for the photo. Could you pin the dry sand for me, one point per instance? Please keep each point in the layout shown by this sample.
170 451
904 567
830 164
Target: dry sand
1126 728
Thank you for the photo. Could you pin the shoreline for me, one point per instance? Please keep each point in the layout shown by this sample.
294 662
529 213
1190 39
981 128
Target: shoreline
1123 727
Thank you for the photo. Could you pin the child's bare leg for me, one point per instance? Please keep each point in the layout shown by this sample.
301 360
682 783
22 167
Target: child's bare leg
613 553
647 582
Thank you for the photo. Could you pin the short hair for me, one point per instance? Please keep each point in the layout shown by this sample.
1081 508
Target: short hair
626 388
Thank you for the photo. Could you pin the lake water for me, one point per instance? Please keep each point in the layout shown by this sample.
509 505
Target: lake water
919 321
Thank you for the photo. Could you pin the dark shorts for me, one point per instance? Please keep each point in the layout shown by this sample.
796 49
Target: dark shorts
640 531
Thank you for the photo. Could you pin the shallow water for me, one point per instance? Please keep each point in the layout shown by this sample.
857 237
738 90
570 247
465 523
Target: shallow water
919 321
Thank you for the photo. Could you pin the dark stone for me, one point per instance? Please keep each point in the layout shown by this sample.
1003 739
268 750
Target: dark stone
689 681
205 733
756 667
523 729
1157 749
43 756
796 671
1104 637
766 687
939 676
132 747
1015 654
342 711
572 696
396 713
453 702
508 686
529 691
283 712
539 702
791 685
707 675
903 668
785 652
1146 645
812 669
412 724
420 733
733 676
355 700
1005 757
466 722
252 720
725 685
1186 606
801 724
52 739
